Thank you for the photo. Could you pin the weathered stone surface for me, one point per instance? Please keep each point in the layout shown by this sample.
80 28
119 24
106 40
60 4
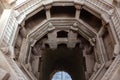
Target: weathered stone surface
4 75
90 26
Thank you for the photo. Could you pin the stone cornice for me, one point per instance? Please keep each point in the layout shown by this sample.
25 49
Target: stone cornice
68 23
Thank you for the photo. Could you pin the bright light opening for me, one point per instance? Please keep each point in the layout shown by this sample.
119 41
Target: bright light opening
61 75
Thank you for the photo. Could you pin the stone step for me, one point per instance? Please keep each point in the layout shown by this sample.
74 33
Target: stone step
4 75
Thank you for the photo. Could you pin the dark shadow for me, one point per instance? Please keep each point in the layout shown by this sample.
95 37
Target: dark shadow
47 46
62 45
62 34
63 11
90 19
35 19
77 45
65 59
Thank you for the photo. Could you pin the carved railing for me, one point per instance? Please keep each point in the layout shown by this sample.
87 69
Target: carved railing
100 4
29 5
8 28
26 8
26 5
116 22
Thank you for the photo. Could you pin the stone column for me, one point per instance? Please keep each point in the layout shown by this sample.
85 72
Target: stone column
48 15
102 29
77 14
52 39
24 50
116 49
105 18
72 39
23 32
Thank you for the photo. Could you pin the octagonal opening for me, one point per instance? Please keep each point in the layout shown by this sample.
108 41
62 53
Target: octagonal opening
64 58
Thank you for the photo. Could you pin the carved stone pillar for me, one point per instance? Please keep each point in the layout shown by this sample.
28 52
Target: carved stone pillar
48 15
102 30
116 49
52 38
77 14
72 39
24 50
23 32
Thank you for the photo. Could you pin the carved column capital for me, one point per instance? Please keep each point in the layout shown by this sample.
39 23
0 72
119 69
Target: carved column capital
51 27
75 26
78 7
47 7
105 18
77 14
